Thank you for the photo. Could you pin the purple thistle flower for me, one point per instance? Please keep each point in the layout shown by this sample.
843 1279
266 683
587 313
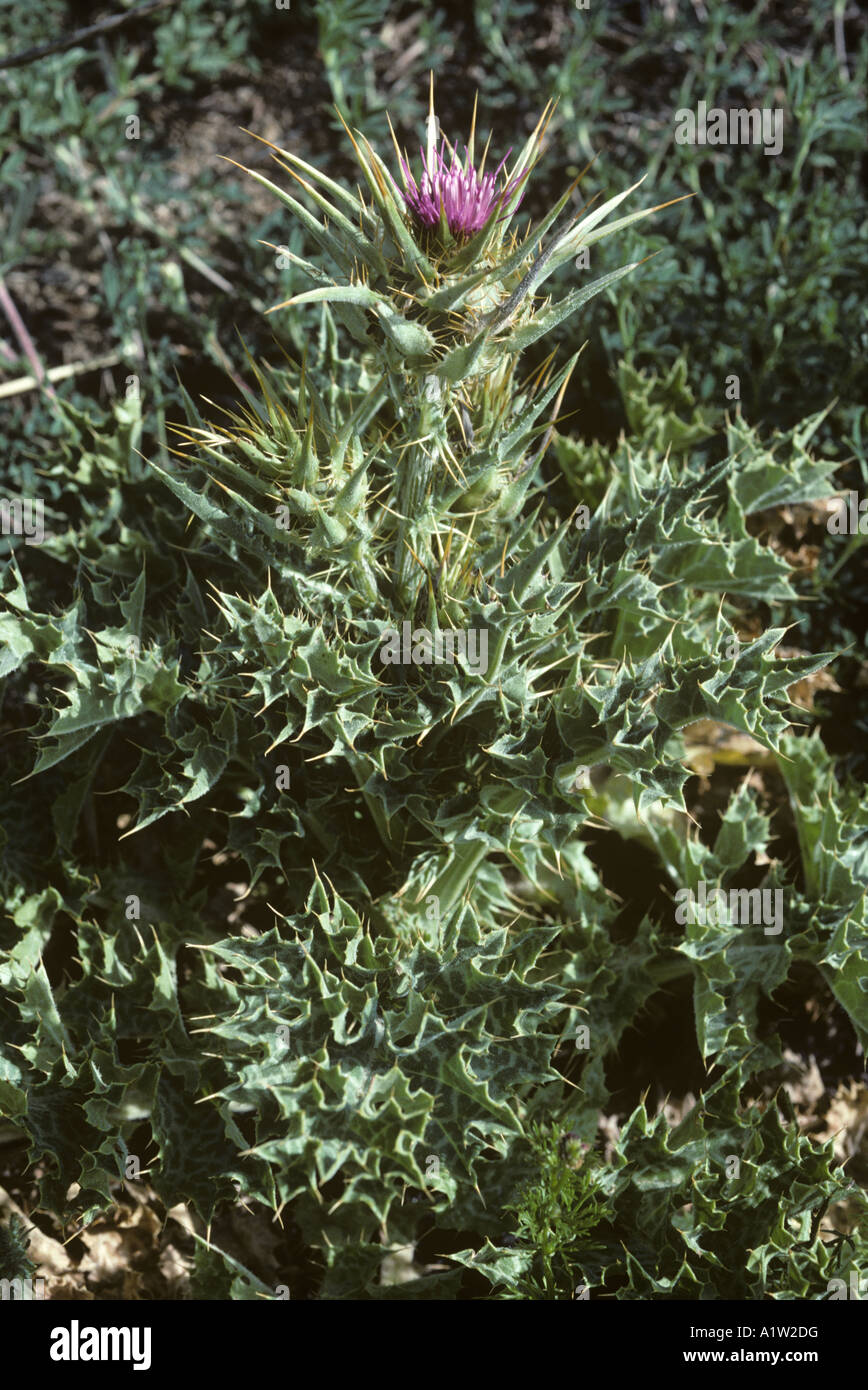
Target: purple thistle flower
467 198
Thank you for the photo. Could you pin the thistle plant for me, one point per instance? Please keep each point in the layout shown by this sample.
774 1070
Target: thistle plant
457 194
440 294
396 500
427 934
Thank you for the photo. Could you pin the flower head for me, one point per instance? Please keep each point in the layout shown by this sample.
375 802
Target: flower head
466 196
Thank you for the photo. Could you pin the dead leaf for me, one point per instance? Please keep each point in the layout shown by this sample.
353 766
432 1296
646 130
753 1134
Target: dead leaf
709 743
846 1122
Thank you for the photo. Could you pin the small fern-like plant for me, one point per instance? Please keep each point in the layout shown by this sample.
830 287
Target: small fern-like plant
557 1213
15 1263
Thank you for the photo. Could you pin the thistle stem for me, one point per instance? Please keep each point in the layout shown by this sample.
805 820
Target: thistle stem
414 481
